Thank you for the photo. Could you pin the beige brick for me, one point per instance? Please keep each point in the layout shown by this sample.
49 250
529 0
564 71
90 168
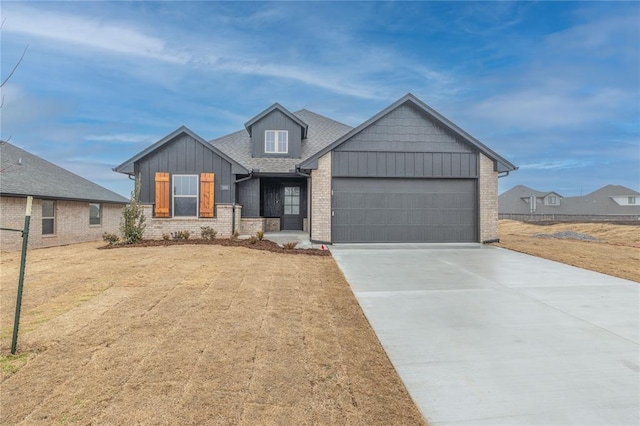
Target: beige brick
222 223
488 188
321 196
71 223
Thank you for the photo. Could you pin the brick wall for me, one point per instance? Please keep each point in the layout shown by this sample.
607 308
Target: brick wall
488 188
251 225
321 200
221 223
71 224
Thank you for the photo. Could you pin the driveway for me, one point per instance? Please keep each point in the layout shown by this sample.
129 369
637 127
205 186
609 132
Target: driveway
482 335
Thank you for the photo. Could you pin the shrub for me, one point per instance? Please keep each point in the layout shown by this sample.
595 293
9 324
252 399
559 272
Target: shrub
208 233
253 240
165 236
235 234
290 245
260 234
110 238
133 223
181 235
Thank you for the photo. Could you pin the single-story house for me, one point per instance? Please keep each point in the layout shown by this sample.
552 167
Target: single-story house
611 202
66 207
407 174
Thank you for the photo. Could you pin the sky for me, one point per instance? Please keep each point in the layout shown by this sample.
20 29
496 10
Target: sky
554 87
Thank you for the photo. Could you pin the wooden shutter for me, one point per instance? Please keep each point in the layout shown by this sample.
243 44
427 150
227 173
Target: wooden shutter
207 191
162 194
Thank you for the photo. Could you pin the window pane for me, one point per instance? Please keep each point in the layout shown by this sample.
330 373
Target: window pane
296 190
47 226
185 185
282 142
295 210
185 206
47 208
287 209
287 190
94 214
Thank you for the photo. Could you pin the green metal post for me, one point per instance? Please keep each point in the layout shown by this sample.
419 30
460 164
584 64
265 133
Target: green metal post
23 261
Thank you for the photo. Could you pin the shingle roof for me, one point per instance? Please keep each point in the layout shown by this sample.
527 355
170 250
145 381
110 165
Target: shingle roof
22 174
322 131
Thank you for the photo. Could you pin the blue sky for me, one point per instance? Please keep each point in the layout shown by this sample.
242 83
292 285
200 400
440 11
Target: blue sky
552 86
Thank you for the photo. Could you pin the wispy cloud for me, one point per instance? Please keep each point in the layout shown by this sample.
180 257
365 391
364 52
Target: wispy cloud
122 138
556 165
89 32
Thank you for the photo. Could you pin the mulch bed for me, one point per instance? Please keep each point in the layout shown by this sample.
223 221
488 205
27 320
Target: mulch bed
227 242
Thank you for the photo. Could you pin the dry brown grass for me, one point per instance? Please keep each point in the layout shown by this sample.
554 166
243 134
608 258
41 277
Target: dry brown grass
617 254
192 335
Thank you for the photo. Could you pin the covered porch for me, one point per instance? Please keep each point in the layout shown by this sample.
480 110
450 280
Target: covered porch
273 203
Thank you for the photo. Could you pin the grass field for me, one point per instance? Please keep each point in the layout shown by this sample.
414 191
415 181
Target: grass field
191 335
617 251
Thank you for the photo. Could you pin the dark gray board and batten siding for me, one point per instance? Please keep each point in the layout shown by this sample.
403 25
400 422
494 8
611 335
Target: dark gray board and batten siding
248 196
276 120
405 178
185 155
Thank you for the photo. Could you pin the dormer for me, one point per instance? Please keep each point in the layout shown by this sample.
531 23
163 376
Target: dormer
552 199
276 133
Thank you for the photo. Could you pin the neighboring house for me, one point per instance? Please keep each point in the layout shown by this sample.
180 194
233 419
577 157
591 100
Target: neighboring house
612 202
405 175
66 207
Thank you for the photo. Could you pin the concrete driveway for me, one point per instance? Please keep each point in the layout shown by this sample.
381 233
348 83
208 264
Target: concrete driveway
482 335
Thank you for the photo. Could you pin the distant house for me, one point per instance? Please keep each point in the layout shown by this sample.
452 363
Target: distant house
407 174
66 207
612 202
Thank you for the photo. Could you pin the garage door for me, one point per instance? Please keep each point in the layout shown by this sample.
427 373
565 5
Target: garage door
384 210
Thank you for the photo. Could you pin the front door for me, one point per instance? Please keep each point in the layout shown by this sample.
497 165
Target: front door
292 217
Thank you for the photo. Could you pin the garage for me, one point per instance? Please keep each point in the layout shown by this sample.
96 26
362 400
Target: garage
392 210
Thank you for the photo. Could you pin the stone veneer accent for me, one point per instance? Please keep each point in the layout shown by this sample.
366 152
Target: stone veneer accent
321 200
488 188
221 223
251 225
272 224
71 223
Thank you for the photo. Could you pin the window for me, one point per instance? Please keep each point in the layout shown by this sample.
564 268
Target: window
292 200
48 217
94 214
552 199
185 195
632 200
276 141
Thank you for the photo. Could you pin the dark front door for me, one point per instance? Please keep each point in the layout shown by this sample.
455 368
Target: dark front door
292 215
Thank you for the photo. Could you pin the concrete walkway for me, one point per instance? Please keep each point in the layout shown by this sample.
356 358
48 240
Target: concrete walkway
482 335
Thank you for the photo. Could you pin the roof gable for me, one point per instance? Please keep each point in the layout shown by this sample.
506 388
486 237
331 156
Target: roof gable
127 166
26 174
502 165
303 126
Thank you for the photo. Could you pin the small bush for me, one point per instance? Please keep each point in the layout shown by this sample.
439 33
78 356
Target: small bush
166 236
253 240
260 234
181 235
290 245
110 238
133 219
208 233
235 234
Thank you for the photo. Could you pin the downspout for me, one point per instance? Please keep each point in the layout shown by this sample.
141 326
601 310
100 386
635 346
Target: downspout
309 196
233 203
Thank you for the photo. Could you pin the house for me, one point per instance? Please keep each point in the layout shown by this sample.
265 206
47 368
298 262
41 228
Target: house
611 202
66 207
407 174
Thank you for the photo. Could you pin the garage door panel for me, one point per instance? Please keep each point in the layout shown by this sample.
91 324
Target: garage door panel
404 210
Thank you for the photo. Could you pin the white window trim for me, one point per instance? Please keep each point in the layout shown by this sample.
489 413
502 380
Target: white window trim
173 196
276 134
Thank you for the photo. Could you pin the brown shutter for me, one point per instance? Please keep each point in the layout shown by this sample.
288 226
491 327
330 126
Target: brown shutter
207 191
162 194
